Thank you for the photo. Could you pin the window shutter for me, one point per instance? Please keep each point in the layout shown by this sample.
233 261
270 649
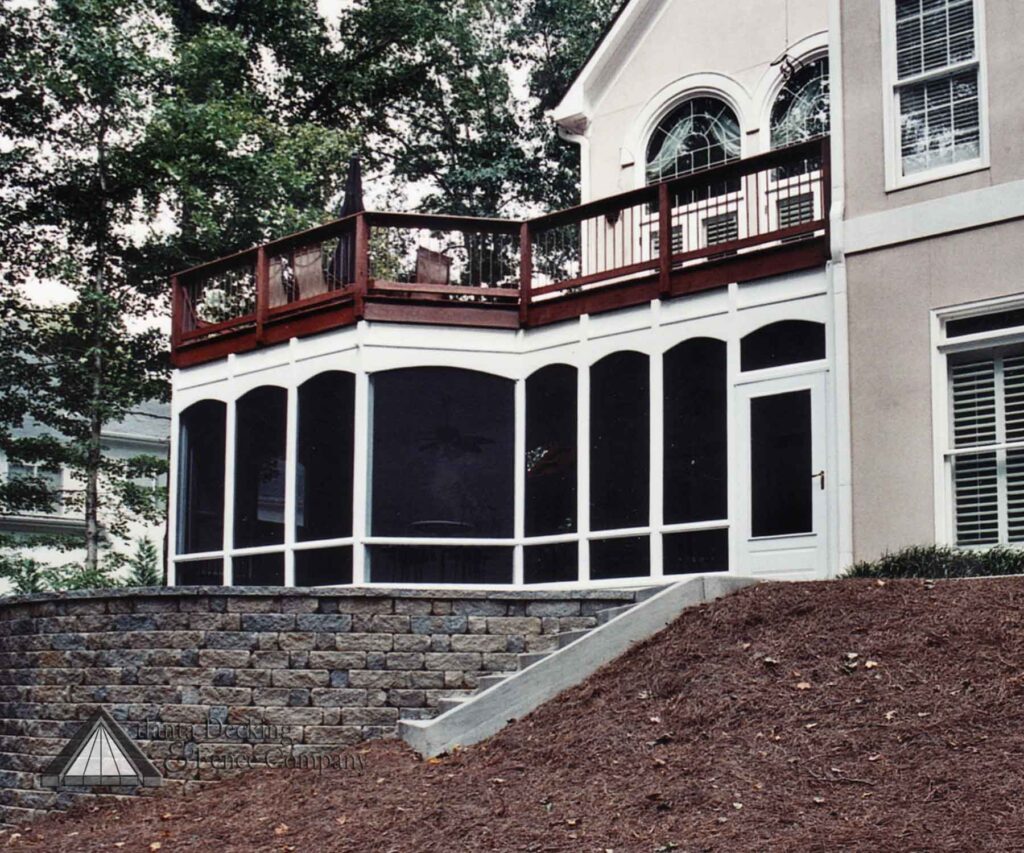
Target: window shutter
976 475
1013 412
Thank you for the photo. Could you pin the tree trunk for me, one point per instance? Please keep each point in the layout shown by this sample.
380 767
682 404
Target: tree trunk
94 448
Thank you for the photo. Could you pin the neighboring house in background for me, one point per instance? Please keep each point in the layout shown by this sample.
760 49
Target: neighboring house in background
146 431
780 333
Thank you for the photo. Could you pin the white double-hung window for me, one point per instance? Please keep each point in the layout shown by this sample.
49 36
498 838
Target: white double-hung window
983 457
935 89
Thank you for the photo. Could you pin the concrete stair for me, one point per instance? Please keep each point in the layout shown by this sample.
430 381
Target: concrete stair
527 659
466 718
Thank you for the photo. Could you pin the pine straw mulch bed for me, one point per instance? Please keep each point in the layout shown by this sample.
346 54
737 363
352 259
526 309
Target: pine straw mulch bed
821 716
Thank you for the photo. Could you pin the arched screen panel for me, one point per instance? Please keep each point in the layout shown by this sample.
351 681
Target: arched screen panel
620 442
260 427
323 474
781 343
200 517
551 451
696 471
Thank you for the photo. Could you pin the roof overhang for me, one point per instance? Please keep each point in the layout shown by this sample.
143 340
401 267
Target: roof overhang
624 35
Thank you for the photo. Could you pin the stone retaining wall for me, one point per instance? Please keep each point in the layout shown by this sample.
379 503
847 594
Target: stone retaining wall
213 680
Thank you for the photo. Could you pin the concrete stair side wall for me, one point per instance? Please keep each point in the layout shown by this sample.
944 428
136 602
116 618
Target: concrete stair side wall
486 713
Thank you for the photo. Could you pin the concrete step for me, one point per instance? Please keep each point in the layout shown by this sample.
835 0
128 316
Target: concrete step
417 713
530 658
605 616
567 637
449 702
487 681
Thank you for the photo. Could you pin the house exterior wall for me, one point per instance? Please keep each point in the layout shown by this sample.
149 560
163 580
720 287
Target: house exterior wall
908 253
864 96
892 293
697 46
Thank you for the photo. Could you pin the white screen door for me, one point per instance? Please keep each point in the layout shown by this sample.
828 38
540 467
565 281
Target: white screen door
783 478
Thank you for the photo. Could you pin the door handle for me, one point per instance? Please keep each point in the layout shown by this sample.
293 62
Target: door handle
820 477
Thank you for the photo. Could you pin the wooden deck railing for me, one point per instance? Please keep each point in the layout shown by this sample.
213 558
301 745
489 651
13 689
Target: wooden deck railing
749 218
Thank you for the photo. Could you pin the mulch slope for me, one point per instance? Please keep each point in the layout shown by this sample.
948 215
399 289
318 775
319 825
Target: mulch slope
818 716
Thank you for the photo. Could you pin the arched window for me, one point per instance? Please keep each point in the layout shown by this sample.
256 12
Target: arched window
801 109
699 133
781 343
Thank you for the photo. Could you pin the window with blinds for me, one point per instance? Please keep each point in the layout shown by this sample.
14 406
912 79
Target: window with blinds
987 400
937 84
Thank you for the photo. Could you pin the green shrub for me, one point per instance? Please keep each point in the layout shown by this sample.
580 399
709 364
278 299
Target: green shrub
933 561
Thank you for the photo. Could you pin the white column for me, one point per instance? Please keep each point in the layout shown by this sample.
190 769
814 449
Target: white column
229 489
361 468
519 488
657 480
583 452
172 497
290 469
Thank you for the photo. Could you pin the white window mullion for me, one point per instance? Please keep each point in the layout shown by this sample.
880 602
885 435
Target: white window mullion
1000 398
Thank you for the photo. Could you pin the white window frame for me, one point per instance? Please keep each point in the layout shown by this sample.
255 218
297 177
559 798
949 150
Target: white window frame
891 84
942 348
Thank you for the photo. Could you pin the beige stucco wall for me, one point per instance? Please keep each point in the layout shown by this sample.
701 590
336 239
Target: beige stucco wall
891 294
738 39
864 99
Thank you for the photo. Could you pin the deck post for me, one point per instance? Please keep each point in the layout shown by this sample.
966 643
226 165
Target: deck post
664 241
177 316
262 291
525 273
362 282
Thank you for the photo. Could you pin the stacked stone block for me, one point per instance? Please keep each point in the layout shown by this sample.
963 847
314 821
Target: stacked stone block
211 680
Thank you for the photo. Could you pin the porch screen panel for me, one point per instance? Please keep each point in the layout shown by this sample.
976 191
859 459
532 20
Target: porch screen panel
696 464
443 454
323 475
620 441
260 427
201 479
551 451
780 462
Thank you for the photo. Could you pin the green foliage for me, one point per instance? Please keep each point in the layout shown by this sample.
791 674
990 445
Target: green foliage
931 561
144 565
27 575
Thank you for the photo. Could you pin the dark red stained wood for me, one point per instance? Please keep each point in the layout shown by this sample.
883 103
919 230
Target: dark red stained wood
280 329
634 292
362 263
219 329
776 260
314 303
666 276
199 352
442 314
379 286
177 312
443 222
525 272
262 290
664 239
596 278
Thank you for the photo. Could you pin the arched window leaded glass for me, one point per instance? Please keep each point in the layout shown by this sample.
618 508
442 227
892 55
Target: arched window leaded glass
801 110
699 133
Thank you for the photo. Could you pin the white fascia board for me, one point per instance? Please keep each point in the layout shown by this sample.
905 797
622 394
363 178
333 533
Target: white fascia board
612 53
